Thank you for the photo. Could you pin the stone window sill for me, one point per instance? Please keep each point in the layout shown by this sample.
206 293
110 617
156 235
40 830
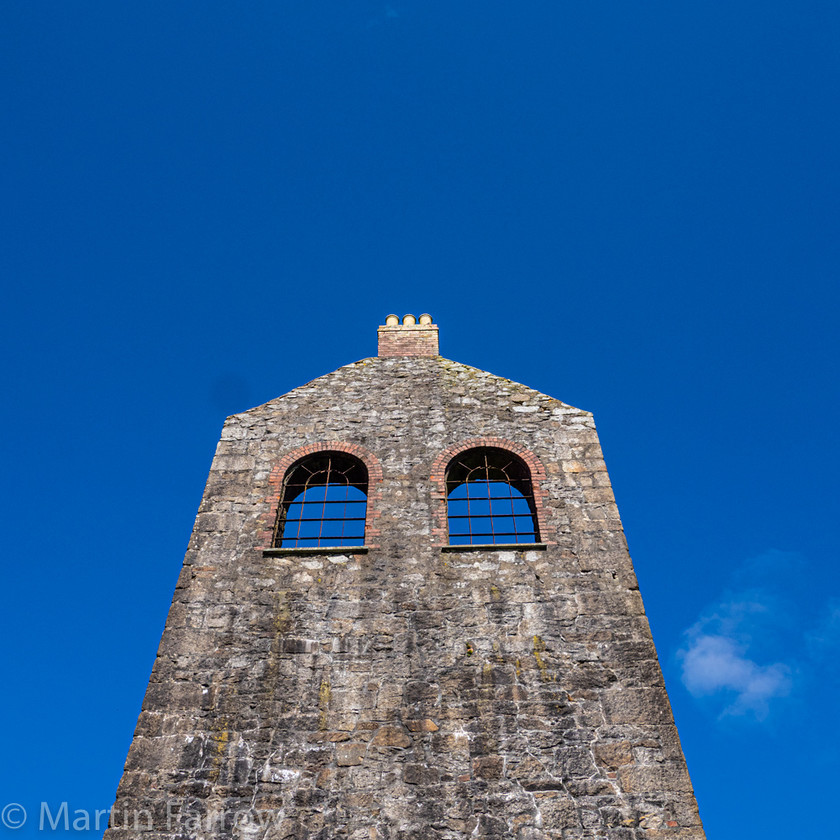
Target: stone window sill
327 549
496 547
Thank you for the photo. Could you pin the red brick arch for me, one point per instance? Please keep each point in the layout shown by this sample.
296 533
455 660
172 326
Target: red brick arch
440 530
278 474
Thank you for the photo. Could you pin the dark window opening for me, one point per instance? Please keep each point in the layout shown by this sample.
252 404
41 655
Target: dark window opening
490 499
324 503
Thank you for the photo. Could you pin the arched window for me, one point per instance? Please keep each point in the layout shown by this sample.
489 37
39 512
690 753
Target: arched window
490 499
324 503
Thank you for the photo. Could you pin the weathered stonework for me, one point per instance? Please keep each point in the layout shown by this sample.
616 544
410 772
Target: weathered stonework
409 692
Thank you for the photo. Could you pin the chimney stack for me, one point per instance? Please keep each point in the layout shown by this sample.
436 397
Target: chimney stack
414 337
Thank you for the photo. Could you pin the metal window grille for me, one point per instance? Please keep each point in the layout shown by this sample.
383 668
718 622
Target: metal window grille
490 499
324 503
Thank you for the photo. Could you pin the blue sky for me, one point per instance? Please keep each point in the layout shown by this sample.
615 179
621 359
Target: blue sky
632 207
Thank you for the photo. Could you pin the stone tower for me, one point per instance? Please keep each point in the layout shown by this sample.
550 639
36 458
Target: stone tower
407 612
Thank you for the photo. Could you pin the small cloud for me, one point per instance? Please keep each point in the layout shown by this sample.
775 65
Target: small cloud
734 653
773 632
714 664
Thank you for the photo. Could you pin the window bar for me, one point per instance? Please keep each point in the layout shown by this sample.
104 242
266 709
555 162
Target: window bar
469 514
344 516
324 505
302 503
513 518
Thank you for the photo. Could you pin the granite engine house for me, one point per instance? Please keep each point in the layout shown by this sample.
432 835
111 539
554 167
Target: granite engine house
408 612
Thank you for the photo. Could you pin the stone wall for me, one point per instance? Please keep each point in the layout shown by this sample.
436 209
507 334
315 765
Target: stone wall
411 692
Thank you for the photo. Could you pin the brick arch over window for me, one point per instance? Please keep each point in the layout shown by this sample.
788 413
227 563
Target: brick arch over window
440 530
278 474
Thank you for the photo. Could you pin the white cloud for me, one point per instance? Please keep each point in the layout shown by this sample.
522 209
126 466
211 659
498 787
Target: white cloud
735 653
715 664
772 632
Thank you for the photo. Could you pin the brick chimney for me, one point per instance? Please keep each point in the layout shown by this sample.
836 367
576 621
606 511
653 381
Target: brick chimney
409 338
